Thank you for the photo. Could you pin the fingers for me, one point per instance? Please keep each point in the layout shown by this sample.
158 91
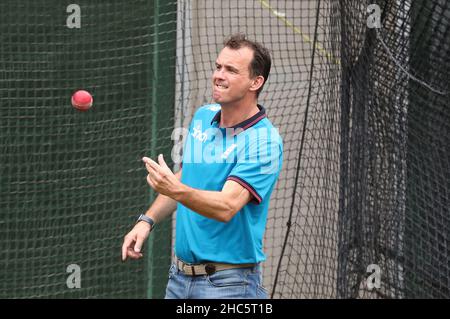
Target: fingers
126 244
151 162
131 248
150 169
162 166
159 175
161 161
150 182
152 175
138 245
133 255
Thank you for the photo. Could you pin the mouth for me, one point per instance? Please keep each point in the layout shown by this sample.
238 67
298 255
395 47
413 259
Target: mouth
220 86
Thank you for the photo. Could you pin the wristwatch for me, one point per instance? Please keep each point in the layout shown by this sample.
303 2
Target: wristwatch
146 219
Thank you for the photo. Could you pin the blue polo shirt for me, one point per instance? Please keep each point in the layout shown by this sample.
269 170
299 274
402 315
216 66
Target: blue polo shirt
250 154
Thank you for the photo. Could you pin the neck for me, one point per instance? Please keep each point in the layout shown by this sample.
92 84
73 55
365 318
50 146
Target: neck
232 115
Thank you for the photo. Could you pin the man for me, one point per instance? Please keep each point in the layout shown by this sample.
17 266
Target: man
231 161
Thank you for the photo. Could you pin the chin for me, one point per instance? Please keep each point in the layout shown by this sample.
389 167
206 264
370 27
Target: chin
218 101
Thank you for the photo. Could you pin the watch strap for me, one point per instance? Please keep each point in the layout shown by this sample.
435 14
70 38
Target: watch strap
146 219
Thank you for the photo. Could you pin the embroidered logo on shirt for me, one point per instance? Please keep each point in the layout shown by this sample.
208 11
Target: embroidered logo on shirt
198 134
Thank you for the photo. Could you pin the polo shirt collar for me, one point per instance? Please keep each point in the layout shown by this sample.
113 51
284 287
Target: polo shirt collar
248 122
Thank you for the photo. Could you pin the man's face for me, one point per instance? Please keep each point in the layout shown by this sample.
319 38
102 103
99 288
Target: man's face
231 78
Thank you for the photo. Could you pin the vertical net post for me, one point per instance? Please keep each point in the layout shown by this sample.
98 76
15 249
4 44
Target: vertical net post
162 81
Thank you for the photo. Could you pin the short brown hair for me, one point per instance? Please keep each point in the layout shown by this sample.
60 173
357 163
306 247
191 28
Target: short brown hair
261 62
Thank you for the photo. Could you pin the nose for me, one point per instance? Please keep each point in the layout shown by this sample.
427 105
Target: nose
218 74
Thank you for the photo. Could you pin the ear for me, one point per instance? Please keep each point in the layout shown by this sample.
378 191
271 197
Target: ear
257 83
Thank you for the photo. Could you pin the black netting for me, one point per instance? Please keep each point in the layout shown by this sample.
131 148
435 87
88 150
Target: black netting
73 183
364 115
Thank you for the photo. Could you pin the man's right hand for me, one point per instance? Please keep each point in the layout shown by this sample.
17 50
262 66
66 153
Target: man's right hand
134 240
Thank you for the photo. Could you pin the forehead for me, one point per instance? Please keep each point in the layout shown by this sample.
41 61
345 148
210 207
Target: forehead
239 58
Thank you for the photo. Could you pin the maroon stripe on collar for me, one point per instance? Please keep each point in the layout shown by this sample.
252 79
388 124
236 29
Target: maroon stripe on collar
248 122
254 121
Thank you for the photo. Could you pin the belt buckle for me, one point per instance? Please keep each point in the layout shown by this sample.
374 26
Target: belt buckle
210 269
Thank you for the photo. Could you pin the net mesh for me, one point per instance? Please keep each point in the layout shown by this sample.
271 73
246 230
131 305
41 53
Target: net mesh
363 112
72 183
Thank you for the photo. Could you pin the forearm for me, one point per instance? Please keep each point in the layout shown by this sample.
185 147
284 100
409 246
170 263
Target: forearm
161 208
219 205
207 203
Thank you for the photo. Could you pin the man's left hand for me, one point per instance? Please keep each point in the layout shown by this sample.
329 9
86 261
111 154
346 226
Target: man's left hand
160 177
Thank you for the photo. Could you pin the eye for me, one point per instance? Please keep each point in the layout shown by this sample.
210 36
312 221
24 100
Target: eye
232 70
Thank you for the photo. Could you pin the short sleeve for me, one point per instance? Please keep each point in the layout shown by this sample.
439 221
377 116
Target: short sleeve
257 167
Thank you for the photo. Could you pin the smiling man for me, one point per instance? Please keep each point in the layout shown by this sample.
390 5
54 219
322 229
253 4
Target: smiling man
231 161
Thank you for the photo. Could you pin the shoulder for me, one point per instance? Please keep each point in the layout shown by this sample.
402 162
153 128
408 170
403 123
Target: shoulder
264 132
208 110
